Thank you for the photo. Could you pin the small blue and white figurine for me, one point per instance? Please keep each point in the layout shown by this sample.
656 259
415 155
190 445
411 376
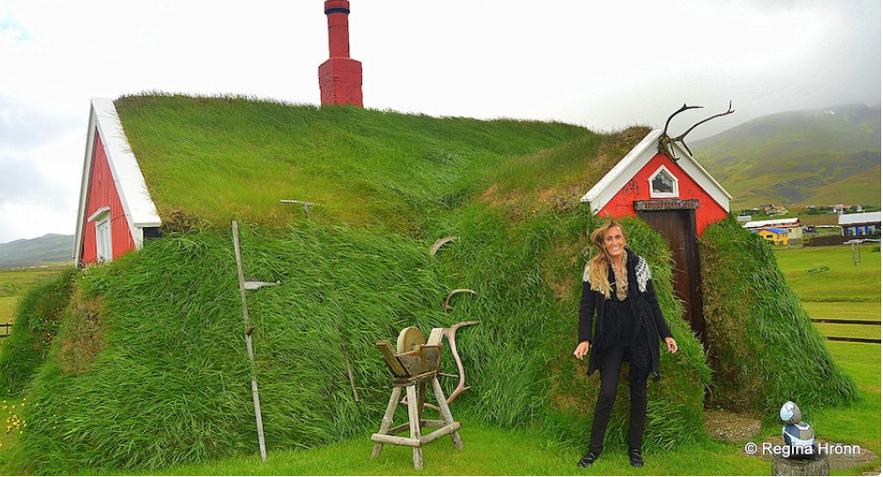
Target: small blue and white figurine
797 434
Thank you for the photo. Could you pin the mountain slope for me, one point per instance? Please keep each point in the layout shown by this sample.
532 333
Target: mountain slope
799 158
50 249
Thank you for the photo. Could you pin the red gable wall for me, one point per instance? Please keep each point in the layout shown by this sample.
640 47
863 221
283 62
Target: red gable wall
103 193
638 188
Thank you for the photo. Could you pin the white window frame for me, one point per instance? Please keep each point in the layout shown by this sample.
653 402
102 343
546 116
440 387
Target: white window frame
103 235
664 195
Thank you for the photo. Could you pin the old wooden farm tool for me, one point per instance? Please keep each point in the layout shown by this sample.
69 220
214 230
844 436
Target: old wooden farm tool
451 334
248 329
413 363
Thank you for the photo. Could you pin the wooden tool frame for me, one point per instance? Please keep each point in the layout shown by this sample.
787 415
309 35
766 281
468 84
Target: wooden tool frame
411 371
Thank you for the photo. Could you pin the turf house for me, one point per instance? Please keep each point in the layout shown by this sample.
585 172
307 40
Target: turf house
135 360
138 362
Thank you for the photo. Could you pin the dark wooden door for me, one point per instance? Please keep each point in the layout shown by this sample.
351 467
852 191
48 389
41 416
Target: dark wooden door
678 227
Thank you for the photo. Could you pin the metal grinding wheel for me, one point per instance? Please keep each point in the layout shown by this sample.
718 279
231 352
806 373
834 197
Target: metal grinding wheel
409 338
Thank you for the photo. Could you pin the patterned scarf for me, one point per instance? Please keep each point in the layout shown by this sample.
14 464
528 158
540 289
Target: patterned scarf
622 278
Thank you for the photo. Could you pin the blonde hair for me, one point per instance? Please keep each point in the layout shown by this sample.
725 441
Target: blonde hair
598 267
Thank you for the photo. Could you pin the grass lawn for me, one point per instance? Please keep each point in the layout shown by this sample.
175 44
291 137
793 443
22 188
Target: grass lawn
487 450
490 450
7 308
844 291
849 331
843 310
859 423
13 283
841 282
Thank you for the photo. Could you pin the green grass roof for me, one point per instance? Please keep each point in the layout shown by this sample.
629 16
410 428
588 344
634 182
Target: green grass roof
215 159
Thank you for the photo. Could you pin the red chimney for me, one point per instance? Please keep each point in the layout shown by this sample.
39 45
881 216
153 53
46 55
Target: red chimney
340 77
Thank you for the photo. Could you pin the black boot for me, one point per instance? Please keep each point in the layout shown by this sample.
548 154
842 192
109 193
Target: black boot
587 459
635 457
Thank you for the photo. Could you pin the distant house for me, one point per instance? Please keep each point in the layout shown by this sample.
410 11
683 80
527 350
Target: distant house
678 198
791 225
840 208
774 235
859 225
775 210
115 211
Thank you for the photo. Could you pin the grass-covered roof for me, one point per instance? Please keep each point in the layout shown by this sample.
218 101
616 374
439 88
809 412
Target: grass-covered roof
214 159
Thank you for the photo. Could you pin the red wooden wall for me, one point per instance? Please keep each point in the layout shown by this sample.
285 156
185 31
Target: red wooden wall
638 188
103 193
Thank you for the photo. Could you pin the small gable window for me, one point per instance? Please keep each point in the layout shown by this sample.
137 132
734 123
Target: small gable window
663 184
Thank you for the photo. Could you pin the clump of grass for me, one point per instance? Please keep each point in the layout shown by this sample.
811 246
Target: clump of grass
817 270
763 348
13 422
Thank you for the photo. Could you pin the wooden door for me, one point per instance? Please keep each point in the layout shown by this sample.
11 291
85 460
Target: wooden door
678 227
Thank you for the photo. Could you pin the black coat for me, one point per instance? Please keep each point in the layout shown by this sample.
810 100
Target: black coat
649 324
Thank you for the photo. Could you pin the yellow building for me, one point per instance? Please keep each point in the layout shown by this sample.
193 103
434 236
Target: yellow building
774 235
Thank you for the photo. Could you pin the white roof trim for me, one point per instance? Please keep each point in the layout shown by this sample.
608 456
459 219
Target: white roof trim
789 222
609 185
137 204
860 218
98 213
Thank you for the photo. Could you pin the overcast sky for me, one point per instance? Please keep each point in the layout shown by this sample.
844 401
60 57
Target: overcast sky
604 65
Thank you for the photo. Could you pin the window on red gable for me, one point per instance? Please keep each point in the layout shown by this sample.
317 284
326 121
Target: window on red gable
663 184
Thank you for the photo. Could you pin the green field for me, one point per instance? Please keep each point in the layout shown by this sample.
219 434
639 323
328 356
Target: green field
7 308
13 283
846 291
842 282
843 310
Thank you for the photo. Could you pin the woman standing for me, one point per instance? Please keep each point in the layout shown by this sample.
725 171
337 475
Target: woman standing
618 290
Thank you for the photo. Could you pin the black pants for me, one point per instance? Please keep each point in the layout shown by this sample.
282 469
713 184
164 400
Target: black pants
610 364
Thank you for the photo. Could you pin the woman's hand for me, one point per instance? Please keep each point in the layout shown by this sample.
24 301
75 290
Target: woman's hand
671 344
581 349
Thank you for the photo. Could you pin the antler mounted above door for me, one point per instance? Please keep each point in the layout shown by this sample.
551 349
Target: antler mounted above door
666 142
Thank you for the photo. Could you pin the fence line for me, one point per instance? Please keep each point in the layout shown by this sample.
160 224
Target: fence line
853 340
849 322
4 334
845 322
